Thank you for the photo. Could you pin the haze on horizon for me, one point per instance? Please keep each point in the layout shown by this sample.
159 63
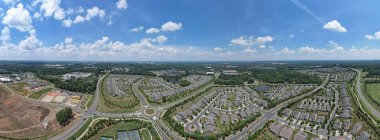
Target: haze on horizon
188 30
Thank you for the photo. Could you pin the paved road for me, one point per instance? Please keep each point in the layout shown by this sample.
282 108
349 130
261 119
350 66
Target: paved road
367 103
271 114
89 113
332 114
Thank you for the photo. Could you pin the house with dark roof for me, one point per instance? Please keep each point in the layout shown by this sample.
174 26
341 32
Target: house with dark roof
275 128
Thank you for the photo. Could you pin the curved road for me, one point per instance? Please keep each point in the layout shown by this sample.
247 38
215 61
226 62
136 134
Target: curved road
367 103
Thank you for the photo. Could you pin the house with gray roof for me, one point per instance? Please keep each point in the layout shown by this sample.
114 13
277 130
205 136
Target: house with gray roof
275 128
300 135
286 132
357 126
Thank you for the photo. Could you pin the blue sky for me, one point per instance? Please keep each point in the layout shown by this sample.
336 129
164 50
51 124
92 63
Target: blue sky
189 30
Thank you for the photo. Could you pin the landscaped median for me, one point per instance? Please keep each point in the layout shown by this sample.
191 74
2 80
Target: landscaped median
114 127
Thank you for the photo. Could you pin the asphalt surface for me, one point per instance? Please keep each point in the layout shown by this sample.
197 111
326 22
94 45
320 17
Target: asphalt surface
367 103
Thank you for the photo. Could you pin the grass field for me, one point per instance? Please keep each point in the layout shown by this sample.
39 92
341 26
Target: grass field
373 91
145 134
38 94
83 128
19 88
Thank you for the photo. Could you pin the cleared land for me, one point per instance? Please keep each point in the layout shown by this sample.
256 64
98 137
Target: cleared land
20 88
20 118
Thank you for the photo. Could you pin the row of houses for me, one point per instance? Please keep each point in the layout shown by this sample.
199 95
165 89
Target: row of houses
305 116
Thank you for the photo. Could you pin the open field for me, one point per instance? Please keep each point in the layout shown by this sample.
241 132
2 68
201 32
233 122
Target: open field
20 118
373 91
20 88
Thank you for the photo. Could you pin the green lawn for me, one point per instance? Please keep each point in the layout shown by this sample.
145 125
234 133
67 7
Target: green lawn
145 134
83 128
38 94
373 91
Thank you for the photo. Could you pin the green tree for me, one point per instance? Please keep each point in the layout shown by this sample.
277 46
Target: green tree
64 116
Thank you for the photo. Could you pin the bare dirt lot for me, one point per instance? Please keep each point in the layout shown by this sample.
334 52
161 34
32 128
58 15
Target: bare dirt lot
20 118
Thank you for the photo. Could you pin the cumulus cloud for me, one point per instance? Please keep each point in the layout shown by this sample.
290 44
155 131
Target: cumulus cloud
242 41
263 40
171 26
68 40
67 22
121 4
376 36
49 7
5 36
94 11
308 49
249 41
262 46
152 30
30 43
217 49
19 18
161 39
334 26
286 50
249 50
78 19
291 36
137 29
59 14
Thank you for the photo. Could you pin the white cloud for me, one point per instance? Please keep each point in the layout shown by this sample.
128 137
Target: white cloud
286 50
171 26
217 49
263 40
5 36
161 39
94 11
30 43
262 46
249 41
68 40
49 7
122 4
137 29
249 50
291 36
242 41
152 30
19 18
59 14
308 49
78 19
376 36
334 26
67 22
37 15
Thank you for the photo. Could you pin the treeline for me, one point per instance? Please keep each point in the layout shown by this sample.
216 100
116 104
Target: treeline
234 79
84 85
288 76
